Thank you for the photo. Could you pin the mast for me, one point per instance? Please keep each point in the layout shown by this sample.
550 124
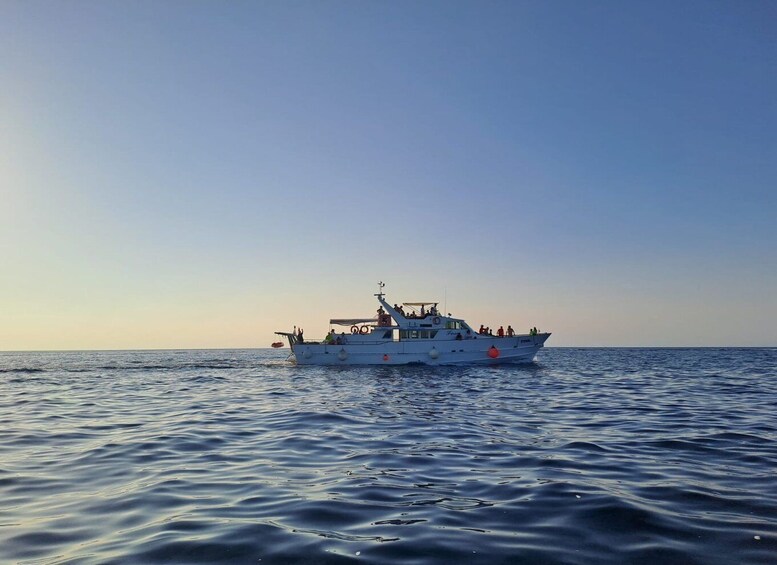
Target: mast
393 313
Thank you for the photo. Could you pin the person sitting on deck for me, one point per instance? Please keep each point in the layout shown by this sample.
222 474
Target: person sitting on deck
482 330
500 332
510 331
330 337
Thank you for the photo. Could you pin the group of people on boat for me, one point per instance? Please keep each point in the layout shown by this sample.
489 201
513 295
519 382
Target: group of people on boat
501 332
423 313
333 339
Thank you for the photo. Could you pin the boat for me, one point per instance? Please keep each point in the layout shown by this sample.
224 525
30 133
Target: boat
413 333
277 344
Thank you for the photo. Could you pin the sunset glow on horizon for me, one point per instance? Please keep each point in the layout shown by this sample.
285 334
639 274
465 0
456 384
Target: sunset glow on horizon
200 175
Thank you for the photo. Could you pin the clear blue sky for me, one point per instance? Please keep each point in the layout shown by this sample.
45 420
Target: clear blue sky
200 174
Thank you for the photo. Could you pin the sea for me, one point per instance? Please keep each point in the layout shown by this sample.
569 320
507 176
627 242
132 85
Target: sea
599 455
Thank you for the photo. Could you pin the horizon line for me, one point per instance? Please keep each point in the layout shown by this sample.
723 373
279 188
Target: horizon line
273 349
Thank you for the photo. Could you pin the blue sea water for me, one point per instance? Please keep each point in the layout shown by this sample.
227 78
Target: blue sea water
586 456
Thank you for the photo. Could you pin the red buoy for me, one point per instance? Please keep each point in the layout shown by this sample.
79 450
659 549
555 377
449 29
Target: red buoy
493 352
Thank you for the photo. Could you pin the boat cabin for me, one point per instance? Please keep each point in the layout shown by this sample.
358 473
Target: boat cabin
408 321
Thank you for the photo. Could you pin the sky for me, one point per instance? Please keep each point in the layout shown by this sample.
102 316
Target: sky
201 174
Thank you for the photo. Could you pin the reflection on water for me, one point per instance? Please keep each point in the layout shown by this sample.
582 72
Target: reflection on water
587 456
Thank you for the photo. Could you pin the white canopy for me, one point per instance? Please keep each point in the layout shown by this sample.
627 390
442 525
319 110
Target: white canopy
351 321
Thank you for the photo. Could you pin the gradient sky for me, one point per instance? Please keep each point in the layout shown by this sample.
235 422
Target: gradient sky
202 173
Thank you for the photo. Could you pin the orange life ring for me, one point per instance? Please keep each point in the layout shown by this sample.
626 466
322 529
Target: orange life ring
363 330
354 329
436 320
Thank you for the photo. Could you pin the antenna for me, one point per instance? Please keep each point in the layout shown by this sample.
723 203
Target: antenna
380 289
445 304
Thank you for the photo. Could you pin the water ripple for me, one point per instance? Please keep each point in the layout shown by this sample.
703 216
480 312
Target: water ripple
587 456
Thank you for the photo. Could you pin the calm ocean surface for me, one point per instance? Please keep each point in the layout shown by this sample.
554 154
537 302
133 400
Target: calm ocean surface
587 456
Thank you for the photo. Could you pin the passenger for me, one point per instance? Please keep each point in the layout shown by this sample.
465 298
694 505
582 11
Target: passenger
343 339
482 330
329 339
422 311
536 331
500 332
490 332
510 331
299 336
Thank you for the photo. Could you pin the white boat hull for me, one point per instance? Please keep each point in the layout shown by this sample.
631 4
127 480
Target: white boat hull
477 350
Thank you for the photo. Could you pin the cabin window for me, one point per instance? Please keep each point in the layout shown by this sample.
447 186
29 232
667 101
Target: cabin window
454 325
387 335
417 334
